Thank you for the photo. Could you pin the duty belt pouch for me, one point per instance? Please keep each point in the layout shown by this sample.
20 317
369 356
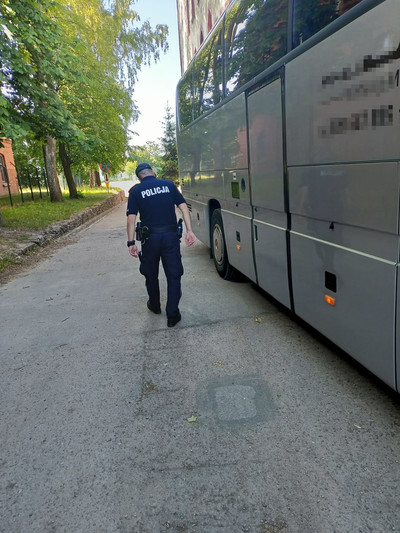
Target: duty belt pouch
179 228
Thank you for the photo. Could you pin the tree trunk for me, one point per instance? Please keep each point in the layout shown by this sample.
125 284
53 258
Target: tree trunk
97 177
73 193
92 179
49 151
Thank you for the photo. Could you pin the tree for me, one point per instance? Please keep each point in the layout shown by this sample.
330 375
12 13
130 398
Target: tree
67 73
169 159
49 152
36 61
116 46
149 153
66 163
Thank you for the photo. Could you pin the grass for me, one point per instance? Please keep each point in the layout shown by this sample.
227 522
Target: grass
41 212
7 261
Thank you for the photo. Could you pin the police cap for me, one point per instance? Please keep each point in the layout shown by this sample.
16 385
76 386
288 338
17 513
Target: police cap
141 167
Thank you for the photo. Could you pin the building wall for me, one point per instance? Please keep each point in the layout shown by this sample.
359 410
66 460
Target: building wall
195 20
7 161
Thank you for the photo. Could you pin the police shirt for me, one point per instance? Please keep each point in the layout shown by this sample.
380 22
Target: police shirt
155 200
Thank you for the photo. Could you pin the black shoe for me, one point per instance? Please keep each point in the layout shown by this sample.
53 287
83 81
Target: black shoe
156 310
173 320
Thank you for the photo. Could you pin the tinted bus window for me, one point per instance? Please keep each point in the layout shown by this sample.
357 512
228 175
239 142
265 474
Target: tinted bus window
185 91
255 37
310 16
207 79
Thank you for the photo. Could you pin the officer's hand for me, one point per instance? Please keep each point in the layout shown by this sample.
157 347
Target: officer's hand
133 250
190 238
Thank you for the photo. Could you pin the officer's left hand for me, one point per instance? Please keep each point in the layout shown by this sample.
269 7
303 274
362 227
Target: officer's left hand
133 250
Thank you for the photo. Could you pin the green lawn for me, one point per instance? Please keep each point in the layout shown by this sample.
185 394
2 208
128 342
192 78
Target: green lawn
41 212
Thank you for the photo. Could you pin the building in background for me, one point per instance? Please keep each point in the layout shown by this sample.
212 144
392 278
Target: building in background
195 20
8 173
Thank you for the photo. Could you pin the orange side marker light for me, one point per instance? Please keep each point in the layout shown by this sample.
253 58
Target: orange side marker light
238 247
329 300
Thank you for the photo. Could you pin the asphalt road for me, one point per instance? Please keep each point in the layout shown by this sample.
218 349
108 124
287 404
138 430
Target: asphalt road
236 420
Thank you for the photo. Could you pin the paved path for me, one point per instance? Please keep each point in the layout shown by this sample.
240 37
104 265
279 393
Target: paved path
236 420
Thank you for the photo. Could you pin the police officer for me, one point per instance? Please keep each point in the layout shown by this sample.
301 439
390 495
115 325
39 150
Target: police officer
155 200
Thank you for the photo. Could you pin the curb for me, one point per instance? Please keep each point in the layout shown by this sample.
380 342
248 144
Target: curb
58 229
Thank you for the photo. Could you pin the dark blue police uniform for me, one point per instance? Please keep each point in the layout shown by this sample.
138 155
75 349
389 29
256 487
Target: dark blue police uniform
155 200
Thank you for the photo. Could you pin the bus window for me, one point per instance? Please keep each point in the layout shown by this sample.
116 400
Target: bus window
255 37
185 90
310 16
208 75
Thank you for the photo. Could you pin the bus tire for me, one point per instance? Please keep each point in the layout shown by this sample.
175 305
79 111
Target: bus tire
218 247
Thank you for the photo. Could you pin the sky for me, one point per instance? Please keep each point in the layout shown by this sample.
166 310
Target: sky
156 85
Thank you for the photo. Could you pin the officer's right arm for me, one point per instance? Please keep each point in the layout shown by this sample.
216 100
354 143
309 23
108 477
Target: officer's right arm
190 238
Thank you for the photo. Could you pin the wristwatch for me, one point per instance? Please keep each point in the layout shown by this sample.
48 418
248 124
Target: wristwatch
130 243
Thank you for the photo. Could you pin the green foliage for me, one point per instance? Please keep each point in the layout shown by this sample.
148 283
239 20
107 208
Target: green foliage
28 153
149 153
68 69
135 45
36 62
169 159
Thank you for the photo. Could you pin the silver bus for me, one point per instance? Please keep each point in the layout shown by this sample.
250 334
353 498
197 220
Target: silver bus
288 130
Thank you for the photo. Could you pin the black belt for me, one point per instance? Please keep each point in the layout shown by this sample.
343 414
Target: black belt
162 229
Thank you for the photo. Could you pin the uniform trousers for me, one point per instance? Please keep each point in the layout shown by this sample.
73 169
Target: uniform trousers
164 246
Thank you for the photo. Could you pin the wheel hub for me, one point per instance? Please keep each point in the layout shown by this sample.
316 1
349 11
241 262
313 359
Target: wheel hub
218 241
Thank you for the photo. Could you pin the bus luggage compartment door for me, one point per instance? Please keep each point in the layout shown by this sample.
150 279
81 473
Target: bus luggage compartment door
267 190
357 313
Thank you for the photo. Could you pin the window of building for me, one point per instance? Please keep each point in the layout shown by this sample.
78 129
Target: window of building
255 37
3 170
311 16
187 17
209 22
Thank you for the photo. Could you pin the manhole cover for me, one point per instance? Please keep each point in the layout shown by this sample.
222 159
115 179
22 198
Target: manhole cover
235 402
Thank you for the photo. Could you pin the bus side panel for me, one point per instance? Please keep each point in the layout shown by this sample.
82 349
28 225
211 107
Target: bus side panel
343 126
239 244
207 185
271 254
343 95
362 195
218 171
200 221
186 154
398 330
365 241
361 321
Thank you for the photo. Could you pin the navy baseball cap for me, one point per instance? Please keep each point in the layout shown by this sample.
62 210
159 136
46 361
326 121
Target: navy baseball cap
141 167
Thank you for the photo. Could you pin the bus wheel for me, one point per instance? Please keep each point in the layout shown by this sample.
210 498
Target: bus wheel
218 247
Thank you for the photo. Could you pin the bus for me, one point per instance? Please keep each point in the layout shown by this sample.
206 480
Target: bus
288 133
